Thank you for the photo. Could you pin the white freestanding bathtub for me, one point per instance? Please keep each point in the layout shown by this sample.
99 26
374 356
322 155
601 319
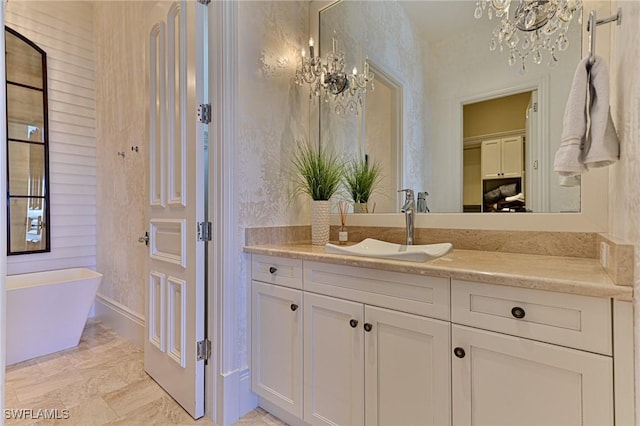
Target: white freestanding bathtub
47 311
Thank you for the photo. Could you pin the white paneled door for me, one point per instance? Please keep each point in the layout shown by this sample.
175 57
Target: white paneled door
175 315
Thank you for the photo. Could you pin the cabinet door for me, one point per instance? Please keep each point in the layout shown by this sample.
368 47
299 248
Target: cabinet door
333 361
276 349
490 164
407 369
512 160
506 380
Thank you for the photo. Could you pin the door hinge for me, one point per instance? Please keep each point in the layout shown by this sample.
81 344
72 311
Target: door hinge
203 349
205 2
204 113
535 107
204 231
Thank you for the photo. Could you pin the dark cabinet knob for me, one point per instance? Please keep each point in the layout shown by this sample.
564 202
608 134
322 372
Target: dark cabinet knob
367 327
273 270
518 312
353 323
459 352
294 307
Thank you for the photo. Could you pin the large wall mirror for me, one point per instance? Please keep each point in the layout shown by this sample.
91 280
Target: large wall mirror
27 146
445 106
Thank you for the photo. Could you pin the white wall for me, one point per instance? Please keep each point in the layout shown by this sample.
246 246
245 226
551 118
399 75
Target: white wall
65 31
624 182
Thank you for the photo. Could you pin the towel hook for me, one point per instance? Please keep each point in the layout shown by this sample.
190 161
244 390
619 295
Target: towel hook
591 28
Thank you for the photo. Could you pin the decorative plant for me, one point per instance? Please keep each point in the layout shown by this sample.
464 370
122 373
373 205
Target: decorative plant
361 179
319 172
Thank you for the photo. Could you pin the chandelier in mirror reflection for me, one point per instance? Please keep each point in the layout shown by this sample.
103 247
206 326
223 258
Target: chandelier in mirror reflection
529 28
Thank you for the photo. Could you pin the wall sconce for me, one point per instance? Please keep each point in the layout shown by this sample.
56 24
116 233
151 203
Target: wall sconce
536 25
328 80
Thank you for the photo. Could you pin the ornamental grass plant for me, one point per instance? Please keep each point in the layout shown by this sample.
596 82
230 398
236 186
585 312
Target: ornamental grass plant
361 179
319 172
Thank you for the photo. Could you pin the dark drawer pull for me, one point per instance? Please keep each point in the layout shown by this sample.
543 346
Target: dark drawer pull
459 352
367 327
518 312
273 269
294 307
353 323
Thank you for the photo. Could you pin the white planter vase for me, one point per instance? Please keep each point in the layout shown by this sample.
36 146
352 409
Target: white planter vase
320 214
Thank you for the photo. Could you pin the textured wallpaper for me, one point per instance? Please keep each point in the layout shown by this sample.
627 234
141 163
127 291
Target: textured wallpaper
272 114
121 102
624 191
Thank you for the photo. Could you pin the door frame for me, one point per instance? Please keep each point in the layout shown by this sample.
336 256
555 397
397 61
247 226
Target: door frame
3 214
222 376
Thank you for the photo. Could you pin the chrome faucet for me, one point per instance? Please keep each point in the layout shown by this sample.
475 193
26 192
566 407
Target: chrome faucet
409 209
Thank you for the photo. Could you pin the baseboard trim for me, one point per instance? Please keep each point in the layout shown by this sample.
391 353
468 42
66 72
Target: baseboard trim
121 319
236 397
248 400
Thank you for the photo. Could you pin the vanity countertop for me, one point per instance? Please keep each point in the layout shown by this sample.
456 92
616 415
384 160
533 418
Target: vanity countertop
551 273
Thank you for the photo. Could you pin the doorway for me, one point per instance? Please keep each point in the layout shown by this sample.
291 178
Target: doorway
495 153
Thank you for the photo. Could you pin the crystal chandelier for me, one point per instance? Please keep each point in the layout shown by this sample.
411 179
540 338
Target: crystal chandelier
329 81
534 27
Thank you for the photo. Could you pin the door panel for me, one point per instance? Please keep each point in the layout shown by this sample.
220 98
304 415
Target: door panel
276 361
175 300
333 361
407 369
509 380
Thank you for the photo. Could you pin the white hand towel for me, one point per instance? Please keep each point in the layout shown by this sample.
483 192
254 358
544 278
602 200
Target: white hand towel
602 146
567 162
588 136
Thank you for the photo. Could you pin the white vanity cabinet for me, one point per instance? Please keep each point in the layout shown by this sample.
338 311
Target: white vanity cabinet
276 322
374 366
511 379
374 347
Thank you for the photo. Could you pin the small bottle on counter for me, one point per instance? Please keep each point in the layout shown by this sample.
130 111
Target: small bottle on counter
343 235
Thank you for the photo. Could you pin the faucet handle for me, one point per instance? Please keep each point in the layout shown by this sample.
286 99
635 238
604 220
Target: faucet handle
409 193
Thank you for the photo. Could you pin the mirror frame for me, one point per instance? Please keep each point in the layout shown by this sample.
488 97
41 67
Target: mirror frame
593 216
46 228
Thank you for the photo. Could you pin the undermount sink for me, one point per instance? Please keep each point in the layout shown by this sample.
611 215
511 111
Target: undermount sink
382 249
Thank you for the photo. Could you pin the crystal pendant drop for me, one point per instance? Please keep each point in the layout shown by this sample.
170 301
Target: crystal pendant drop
490 13
522 69
478 13
530 19
512 59
493 45
563 43
537 57
526 43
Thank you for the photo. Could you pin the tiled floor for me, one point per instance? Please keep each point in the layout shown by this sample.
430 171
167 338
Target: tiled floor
101 381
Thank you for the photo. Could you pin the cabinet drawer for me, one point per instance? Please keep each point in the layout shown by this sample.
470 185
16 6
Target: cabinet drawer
575 321
277 270
417 294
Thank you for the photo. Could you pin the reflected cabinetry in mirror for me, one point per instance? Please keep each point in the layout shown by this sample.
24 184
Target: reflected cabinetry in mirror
27 146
